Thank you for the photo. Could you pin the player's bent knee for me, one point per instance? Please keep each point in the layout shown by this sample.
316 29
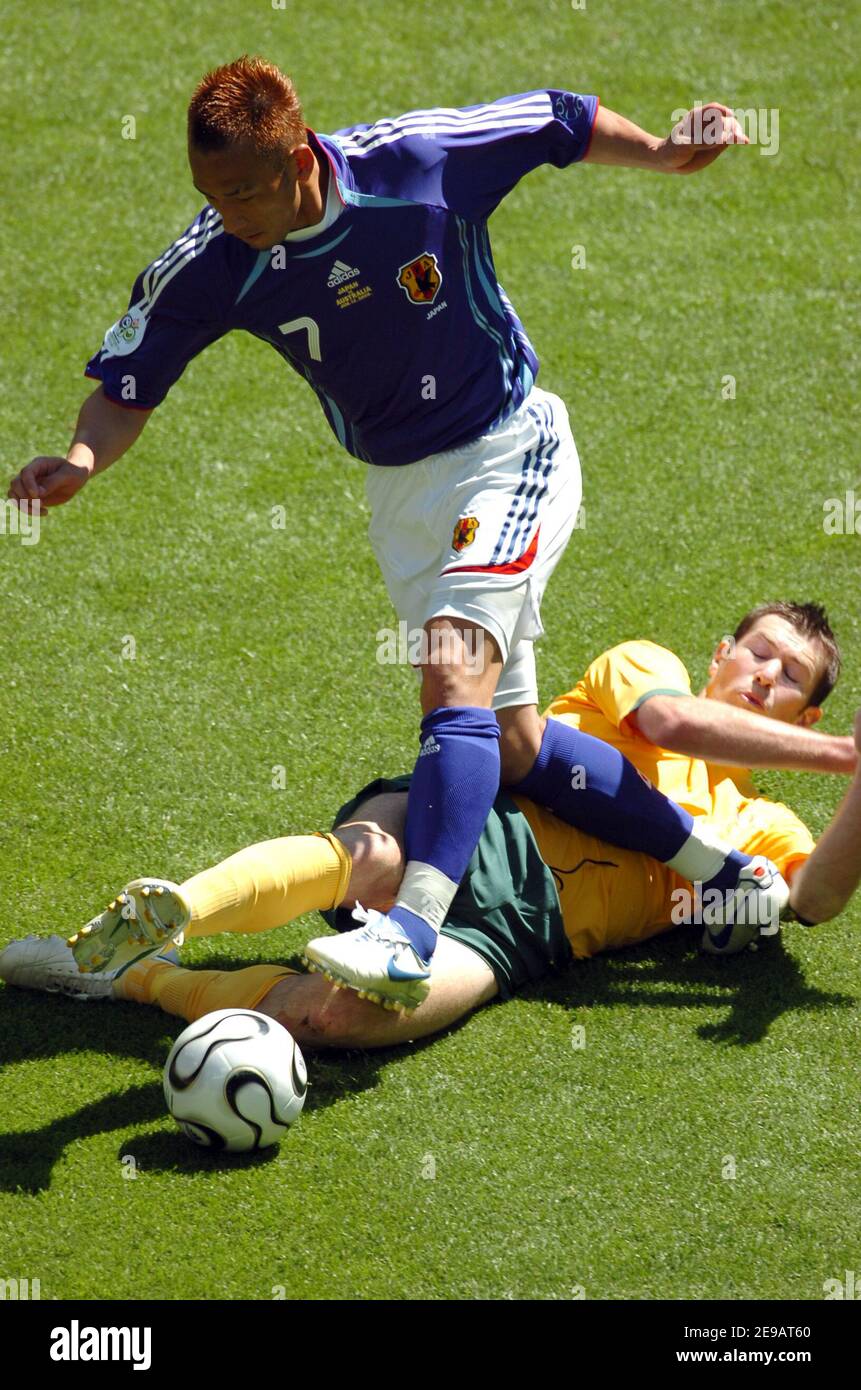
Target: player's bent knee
445 686
377 864
318 1015
460 664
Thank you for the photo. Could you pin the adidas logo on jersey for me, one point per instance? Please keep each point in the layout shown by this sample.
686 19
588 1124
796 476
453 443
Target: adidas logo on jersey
430 745
339 273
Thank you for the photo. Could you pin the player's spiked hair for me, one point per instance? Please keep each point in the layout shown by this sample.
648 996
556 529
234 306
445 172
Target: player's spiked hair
248 99
810 620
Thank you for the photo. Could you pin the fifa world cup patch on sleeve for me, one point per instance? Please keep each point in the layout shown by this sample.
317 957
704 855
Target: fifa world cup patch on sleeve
464 532
421 278
126 334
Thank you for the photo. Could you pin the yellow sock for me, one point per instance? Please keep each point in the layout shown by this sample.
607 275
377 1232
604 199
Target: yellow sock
192 993
268 884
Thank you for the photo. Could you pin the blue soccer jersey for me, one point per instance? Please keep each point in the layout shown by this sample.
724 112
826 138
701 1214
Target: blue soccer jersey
393 312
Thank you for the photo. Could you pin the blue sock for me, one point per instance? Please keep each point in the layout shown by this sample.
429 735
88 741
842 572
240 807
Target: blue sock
453 787
590 784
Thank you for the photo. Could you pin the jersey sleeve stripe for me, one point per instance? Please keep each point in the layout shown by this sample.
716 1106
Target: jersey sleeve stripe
183 250
451 134
159 274
533 103
451 123
177 247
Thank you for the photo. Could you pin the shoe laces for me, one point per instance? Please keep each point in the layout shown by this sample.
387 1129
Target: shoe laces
379 927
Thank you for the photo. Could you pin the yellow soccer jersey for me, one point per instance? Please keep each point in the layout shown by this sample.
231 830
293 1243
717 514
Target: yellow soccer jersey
613 897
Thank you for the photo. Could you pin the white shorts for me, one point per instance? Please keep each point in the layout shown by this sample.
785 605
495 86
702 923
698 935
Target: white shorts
476 532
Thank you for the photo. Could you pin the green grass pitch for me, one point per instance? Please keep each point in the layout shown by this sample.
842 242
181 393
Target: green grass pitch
557 1169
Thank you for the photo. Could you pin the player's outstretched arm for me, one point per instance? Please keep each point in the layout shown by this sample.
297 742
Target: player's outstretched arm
103 434
693 144
720 733
825 882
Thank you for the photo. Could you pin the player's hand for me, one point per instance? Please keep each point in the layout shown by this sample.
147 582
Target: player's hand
698 139
49 481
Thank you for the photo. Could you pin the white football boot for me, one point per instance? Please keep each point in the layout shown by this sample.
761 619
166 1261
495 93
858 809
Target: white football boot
748 911
47 963
144 918
377 960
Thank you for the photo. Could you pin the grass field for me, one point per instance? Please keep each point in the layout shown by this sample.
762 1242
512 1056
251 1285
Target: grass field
556 1168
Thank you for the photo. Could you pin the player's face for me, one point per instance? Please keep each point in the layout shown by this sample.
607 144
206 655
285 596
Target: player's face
258 202
772 670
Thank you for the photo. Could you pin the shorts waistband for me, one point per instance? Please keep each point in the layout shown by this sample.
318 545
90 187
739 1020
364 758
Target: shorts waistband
508 422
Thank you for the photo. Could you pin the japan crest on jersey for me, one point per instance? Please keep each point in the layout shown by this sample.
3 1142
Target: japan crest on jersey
421 278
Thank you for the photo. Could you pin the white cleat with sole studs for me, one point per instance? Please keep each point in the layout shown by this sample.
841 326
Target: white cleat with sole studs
143 919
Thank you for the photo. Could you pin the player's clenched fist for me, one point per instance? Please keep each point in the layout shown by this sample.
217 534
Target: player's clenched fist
51 481
699 137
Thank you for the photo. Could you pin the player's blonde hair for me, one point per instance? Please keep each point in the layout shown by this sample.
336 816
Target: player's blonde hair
248 99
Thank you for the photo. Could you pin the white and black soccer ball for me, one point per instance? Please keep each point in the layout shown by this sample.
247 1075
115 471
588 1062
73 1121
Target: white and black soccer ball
235 1080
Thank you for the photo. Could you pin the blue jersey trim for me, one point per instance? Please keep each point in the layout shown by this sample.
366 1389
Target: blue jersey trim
527 380
331 411
254 275
505 361
336 417
321 250
371 200
489 289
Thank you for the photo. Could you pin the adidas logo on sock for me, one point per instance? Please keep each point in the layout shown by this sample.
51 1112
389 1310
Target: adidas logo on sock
430 745
340 272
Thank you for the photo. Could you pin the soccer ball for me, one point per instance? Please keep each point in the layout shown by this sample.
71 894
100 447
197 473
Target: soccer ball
235 1080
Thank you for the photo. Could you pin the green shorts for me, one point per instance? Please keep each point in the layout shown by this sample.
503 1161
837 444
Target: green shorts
506 909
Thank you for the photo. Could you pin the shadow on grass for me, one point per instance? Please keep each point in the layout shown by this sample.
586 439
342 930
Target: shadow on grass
34 1027
670 972
664 972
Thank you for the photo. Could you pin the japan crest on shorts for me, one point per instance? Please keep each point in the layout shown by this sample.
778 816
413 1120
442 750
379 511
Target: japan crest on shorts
464 532
420 279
